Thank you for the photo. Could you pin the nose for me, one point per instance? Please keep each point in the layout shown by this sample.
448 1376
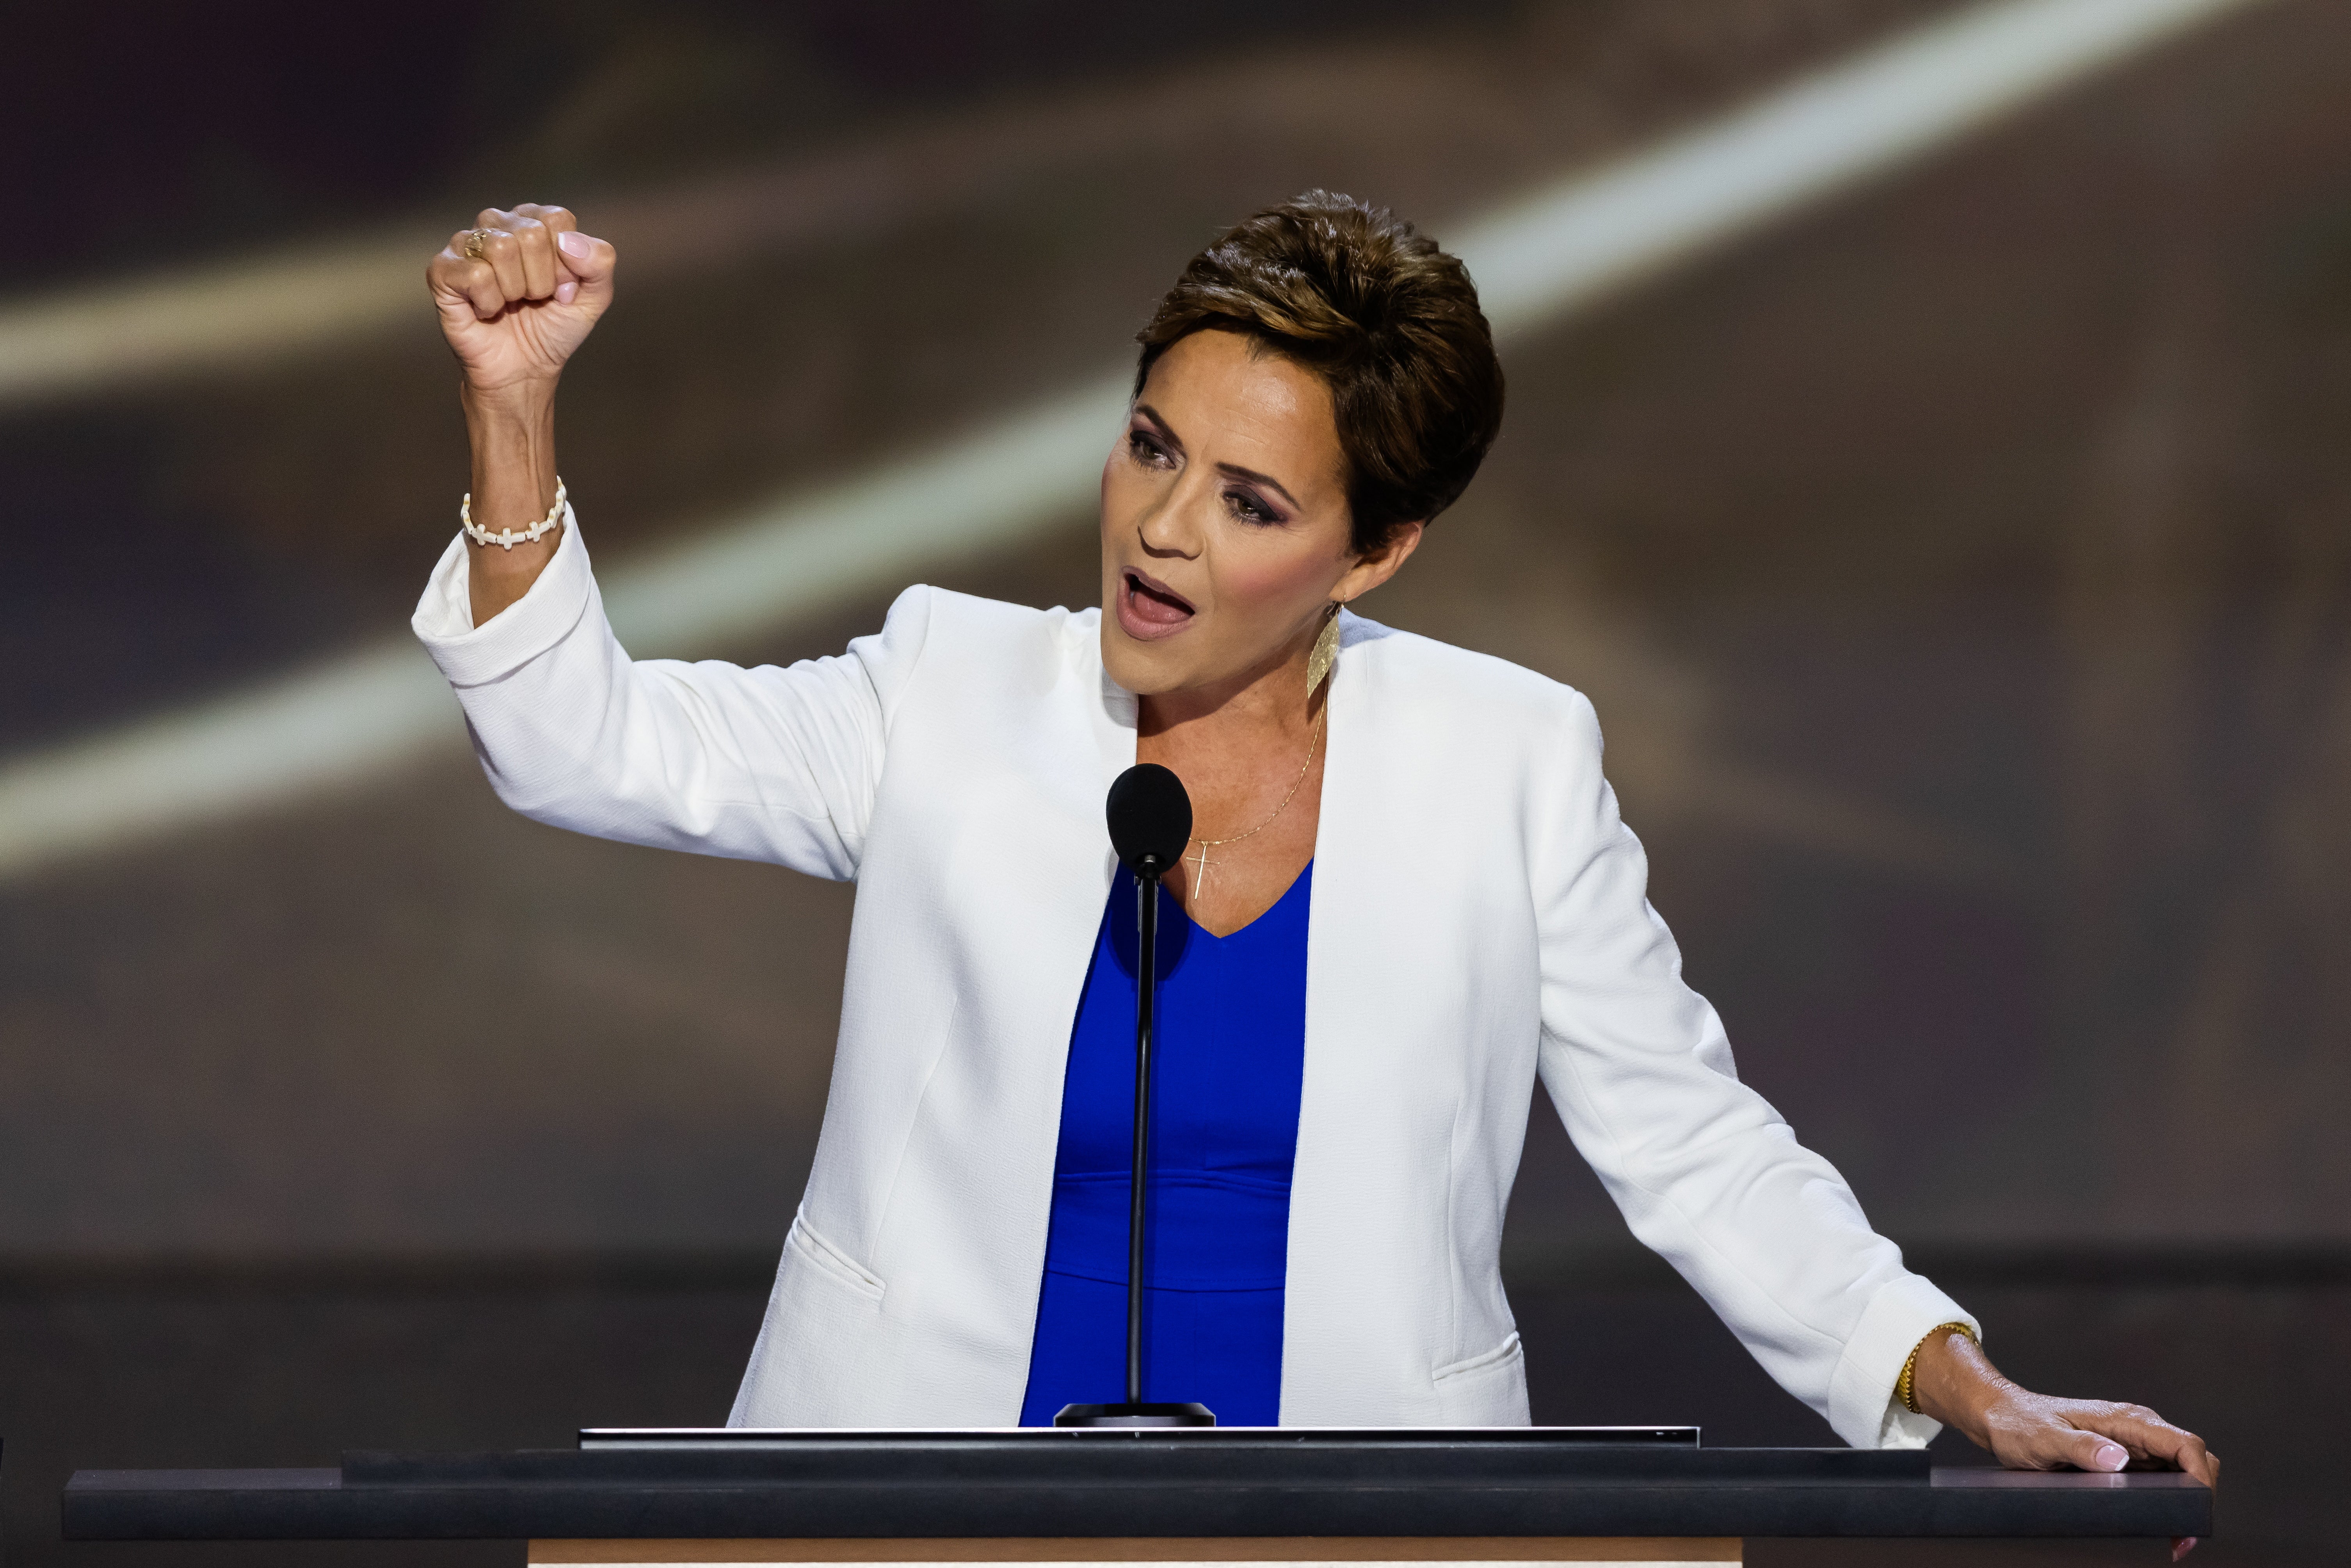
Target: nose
1169 529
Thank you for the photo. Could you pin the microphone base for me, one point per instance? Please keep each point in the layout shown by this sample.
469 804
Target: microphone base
1188 1414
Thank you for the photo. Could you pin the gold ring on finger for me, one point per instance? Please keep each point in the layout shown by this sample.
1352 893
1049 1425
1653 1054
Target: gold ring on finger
477 242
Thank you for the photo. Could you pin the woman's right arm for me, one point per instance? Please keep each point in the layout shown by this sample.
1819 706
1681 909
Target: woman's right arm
767 764
514 315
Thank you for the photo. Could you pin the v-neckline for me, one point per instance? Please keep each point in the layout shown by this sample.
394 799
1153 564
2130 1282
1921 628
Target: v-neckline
1303 872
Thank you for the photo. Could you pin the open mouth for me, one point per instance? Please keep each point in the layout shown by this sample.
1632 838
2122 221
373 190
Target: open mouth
1148 608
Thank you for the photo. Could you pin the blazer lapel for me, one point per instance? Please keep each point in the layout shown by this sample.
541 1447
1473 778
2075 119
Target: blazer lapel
1353 1162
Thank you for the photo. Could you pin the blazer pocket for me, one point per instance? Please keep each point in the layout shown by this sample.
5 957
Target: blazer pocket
1505 1354
808 1243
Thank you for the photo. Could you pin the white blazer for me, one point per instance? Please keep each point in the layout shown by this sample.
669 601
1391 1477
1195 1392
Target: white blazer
1480 920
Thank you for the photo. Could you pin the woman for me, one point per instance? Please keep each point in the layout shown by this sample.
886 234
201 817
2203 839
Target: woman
1412 898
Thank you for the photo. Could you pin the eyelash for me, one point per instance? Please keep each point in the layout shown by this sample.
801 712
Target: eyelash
1248 509
1147 449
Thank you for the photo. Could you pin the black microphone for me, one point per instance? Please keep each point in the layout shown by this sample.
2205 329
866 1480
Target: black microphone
1150 823
1150 819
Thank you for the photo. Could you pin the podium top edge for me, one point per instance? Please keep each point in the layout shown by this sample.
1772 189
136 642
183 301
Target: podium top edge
687 1438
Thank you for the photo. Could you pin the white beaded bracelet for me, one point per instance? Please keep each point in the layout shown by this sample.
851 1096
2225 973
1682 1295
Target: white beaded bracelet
509 537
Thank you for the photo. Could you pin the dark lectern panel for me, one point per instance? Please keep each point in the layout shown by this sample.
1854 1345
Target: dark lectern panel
2039 1502
852 1484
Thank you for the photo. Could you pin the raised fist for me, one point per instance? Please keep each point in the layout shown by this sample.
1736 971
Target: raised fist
519 292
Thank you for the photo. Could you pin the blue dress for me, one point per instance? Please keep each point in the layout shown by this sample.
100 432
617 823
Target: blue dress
1227 1062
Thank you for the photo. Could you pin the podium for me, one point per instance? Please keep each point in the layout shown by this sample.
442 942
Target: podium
1502 1496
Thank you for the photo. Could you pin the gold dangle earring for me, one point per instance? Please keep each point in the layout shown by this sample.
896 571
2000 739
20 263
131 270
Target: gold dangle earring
1326 651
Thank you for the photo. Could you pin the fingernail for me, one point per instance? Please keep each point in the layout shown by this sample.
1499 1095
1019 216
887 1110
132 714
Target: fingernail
566 292
2183 1546
573 242
2110 1457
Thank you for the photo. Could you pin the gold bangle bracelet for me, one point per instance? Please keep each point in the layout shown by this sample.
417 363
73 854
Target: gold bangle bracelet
1902 1388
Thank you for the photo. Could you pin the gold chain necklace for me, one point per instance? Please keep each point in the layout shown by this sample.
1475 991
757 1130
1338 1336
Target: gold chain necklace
1201 860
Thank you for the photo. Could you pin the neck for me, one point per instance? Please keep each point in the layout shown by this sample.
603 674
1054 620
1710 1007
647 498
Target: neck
1270 698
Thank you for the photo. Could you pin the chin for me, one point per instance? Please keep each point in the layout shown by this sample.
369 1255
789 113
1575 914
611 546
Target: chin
1145 671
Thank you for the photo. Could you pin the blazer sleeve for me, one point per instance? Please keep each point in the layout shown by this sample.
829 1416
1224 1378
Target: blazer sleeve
1706 1172
764 764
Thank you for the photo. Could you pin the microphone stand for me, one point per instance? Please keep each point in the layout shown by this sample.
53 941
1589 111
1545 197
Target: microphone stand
1146 995
1134 1412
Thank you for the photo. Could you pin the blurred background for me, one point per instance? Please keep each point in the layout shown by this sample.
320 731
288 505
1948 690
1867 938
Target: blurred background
1960 564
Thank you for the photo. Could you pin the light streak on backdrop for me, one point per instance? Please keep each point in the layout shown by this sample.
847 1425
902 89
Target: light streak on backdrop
259 309
1536 261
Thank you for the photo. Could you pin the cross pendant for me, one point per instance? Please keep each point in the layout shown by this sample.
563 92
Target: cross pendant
1200 875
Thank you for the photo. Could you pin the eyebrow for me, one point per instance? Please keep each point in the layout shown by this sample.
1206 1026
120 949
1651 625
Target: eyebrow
1230 470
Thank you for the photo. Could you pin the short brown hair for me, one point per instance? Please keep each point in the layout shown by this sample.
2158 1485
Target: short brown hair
1389 323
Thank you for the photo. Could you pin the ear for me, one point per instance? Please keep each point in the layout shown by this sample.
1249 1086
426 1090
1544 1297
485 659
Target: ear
1374 567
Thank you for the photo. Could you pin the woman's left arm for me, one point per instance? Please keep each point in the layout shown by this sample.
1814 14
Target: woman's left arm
1708 1176
1706 1173
1957 1385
